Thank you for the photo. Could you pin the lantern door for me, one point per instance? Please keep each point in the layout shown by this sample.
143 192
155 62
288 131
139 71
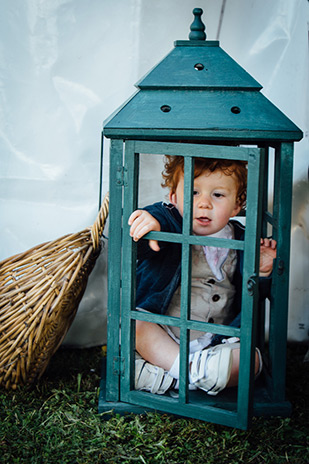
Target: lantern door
235 405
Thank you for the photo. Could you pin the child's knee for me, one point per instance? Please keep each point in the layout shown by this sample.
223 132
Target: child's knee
139 328
143 329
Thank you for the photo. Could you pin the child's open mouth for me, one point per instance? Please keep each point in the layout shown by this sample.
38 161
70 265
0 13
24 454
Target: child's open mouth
203 221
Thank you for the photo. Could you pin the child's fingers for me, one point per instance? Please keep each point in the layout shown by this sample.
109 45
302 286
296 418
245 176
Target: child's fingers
133 216
138 229
141 223
139 232
135 224
269 243
154 245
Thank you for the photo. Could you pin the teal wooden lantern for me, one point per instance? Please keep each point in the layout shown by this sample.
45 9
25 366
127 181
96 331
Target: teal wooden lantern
198 102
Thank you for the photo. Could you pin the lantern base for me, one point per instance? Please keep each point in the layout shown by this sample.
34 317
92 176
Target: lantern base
263 405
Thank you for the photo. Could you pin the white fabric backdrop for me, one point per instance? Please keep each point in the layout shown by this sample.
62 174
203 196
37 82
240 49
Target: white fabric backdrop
67 64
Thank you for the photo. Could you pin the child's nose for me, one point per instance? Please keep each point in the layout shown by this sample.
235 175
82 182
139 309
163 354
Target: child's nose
204 202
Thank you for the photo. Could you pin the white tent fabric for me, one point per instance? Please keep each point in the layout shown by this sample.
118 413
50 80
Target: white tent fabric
67 65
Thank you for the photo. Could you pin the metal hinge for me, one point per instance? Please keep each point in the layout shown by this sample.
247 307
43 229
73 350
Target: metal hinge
251 284
121 176
118 365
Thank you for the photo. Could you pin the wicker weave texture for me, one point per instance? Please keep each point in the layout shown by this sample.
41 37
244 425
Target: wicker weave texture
40 291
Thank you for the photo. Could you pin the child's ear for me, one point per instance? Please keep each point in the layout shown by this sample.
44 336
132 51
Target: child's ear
173 198
237 209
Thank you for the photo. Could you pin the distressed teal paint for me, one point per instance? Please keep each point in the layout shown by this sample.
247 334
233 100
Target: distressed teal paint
180 70
197 28
250 298
185 308
195 111
198 102
244 404
114 269
128 268
278 318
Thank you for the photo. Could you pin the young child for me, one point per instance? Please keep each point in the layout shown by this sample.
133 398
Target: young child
219 194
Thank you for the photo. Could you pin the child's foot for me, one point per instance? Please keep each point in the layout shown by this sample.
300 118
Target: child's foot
210 369
151 378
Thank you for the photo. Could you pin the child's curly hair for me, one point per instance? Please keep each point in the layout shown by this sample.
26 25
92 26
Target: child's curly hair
174 168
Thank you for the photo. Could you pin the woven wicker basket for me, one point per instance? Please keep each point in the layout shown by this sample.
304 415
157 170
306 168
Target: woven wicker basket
40 291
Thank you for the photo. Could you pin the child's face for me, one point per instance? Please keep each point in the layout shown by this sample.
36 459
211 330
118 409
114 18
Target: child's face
214 201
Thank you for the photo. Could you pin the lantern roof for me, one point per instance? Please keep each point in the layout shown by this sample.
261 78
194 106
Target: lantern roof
198 92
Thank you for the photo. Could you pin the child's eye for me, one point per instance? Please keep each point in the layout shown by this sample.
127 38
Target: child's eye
195 192
218 195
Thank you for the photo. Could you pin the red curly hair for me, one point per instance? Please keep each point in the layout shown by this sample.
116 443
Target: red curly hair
174 169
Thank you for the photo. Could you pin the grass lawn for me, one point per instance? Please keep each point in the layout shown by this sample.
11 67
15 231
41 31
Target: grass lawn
57 422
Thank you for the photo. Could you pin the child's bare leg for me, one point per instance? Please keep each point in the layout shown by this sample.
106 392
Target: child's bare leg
235 367
155 345
159 349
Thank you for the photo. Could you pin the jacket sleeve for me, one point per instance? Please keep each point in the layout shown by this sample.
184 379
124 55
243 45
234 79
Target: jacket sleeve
170 221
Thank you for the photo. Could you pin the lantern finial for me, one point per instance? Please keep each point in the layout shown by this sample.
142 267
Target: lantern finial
197 27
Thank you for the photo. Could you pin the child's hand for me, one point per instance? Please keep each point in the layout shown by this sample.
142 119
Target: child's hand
141 223
268 253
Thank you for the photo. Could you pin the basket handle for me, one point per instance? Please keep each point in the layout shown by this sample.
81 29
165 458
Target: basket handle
98 225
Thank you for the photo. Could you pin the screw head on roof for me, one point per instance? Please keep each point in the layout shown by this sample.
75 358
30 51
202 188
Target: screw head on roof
197 28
